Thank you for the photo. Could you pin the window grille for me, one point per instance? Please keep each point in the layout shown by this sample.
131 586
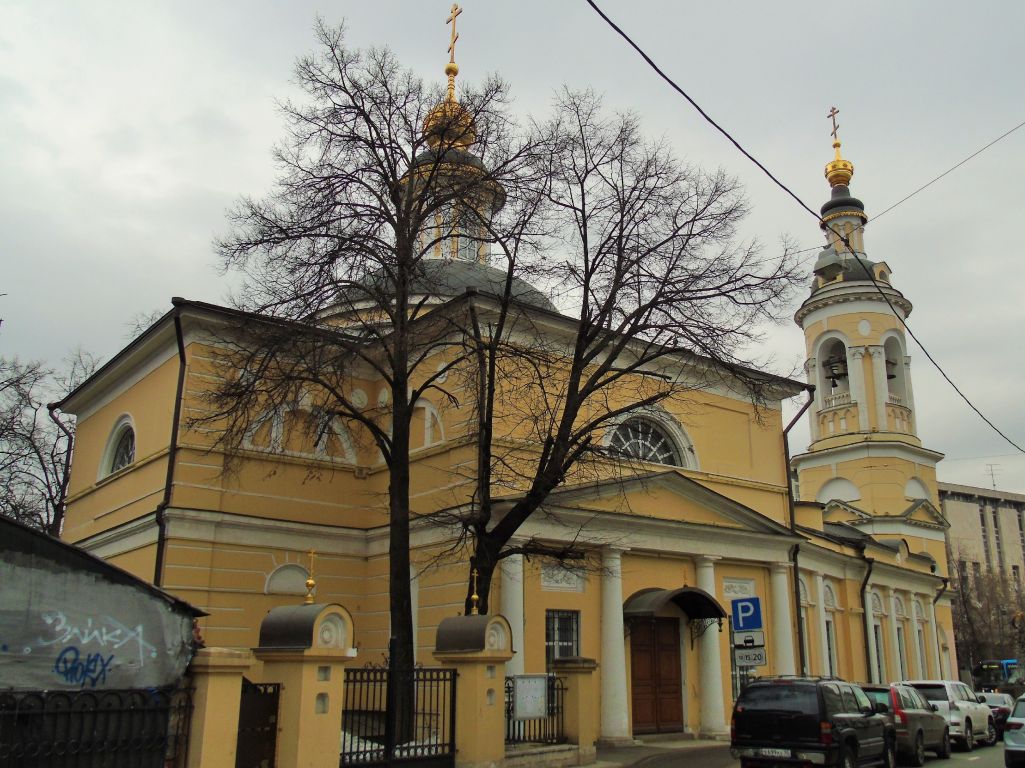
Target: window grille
562 635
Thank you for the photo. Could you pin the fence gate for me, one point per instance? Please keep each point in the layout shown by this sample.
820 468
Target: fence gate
131 728
427 737
257 725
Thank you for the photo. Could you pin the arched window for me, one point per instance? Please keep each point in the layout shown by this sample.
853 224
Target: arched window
120 452
643 440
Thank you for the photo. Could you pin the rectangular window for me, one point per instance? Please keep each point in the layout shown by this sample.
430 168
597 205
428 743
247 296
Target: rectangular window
880 658
977 571
562 635
996 539
901 654
985 538
831 646
1016 575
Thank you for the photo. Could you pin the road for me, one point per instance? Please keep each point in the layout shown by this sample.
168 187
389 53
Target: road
719 757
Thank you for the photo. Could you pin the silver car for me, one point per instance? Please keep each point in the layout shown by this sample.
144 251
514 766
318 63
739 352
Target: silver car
1014 735
969 717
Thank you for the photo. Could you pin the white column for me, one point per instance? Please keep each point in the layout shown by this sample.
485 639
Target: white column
856 383
870 636
893 663
882 391
933 637
615 726
820 622
512 608
916 650
782 648
713 720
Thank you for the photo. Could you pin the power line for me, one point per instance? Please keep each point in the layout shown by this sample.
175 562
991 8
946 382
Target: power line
800 202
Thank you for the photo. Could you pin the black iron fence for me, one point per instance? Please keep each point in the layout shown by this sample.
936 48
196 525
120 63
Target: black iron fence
421 728
137 728
547 729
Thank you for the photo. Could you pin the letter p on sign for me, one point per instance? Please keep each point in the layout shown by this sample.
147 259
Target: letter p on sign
747 614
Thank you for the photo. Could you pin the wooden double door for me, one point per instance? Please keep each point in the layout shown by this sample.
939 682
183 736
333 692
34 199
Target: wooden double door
656 682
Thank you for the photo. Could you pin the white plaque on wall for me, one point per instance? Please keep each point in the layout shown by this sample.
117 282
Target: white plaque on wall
530 697
735 588
558 578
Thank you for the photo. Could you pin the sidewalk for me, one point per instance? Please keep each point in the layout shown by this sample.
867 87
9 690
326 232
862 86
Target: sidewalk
650 746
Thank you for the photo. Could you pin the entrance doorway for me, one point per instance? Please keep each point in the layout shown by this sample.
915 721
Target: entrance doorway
657 691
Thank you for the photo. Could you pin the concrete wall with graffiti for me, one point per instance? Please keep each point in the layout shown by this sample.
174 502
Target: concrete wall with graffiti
69 620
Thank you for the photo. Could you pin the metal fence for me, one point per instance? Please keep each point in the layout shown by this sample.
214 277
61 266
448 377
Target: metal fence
136 728
422 728
257 725
539 730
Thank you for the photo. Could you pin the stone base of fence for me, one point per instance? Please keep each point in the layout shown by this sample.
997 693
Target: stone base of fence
580 707
217 676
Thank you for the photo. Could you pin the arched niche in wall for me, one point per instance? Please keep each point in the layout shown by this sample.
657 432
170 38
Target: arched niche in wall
839 489
288 579
915 489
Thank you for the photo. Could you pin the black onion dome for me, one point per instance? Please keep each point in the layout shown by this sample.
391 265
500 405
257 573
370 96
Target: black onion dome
448 278
840 198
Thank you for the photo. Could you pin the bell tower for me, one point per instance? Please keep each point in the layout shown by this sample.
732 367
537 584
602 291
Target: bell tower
865 450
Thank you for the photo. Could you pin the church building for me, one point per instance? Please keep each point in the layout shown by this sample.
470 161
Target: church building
849 576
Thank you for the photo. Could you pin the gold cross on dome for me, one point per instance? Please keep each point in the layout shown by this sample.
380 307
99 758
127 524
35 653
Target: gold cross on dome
456 10
833 112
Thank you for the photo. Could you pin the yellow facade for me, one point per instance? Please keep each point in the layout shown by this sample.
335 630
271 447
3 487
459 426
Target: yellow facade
669 547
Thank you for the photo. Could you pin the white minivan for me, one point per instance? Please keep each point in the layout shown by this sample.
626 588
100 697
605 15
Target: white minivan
969 717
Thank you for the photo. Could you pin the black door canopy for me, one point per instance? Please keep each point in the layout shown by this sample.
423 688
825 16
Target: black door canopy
694 602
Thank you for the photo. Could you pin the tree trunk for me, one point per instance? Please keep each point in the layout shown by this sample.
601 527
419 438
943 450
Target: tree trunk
484 561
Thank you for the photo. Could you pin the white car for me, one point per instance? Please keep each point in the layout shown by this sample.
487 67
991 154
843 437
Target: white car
968 715
1014 735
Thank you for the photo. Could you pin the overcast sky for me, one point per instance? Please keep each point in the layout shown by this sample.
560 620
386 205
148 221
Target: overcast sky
127 129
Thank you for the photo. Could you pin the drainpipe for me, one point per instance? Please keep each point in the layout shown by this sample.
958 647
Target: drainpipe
869 562
172 454
59 506
936 625
793 527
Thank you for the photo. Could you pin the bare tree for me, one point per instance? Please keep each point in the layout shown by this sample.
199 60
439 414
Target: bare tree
342 282
36 442
664 300
988 610
394 201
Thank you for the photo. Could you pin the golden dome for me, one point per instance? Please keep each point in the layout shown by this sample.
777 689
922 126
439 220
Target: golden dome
450 124
839 171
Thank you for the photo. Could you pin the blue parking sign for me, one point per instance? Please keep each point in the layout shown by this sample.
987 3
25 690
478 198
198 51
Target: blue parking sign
747 614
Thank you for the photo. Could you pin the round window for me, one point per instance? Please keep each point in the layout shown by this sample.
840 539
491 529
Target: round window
642 440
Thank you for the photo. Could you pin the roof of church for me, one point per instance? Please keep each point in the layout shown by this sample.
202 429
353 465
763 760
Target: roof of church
449 278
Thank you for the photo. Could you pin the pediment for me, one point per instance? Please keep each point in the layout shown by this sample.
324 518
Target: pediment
669 496
836 511
925 512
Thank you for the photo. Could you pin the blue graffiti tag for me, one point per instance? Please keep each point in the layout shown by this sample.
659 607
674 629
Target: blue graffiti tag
91 671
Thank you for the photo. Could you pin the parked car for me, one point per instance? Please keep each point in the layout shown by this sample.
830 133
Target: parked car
918 724
1000 705
784 721
1014 735
968 716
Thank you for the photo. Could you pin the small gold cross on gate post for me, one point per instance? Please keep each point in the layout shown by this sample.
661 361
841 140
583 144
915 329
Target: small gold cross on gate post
456 10
833 112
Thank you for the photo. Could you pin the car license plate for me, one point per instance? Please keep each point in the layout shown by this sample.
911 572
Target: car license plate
774 753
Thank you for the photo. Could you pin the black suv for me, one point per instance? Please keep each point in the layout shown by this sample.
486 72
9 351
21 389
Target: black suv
783 722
